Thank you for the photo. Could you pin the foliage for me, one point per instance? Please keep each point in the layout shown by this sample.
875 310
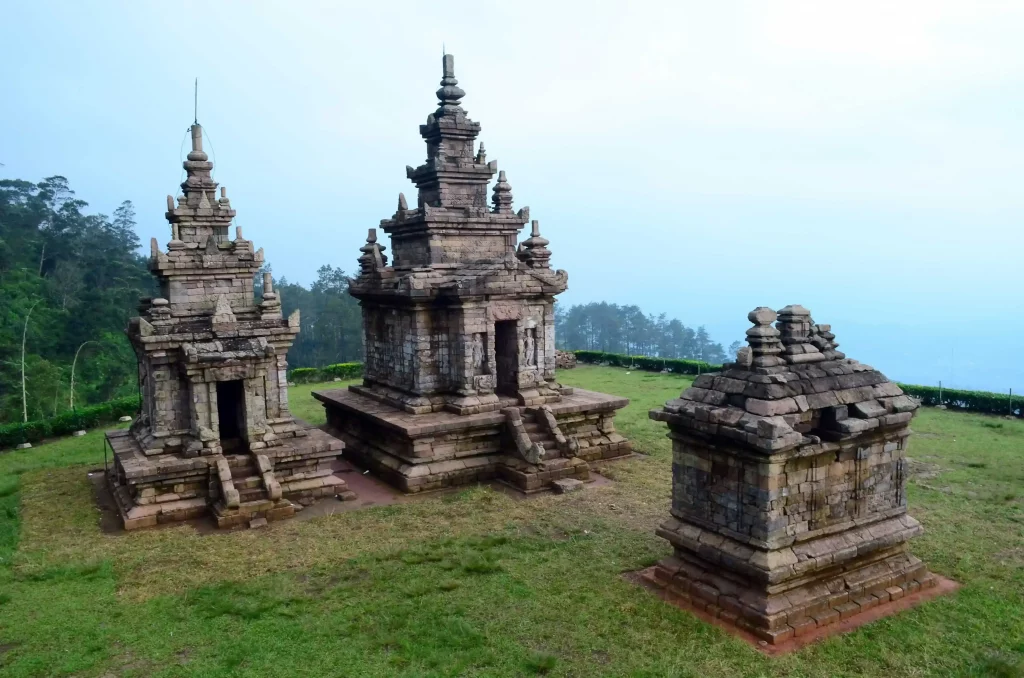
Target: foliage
625 329
331 322
309 375
85 275
640 362
972 401
63 424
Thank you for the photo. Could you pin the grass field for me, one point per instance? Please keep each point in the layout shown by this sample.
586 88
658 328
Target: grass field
477 583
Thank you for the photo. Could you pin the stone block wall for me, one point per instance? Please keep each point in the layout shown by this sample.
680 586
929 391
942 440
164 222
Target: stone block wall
798 493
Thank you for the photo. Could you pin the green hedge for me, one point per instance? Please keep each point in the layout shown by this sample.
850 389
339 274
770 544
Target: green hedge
640 362
971 401
68 422
311 375
984 402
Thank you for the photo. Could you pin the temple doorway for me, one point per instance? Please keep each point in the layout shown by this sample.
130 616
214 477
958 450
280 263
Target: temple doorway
506 356
231 415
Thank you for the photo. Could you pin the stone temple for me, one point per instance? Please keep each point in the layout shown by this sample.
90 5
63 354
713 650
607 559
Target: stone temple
215 434
459 376
789 505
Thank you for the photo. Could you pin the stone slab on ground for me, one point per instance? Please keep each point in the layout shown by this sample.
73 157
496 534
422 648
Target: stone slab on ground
567 485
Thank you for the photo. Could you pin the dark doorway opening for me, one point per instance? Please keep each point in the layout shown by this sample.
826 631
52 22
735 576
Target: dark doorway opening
506 356
231 414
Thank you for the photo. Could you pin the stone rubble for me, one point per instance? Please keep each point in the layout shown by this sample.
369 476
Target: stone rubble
789 507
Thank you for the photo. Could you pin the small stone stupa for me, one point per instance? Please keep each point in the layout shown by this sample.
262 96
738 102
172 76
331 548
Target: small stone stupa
215 434
459 377
789 505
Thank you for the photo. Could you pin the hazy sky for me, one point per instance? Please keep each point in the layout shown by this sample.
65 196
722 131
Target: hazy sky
695 158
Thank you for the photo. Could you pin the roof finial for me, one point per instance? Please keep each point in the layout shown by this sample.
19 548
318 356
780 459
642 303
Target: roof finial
501 199
195 103
450 93
534 250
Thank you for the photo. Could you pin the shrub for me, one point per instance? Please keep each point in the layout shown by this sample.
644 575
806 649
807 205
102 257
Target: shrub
344 370
309 375
985 402
640 362
304 375
68 422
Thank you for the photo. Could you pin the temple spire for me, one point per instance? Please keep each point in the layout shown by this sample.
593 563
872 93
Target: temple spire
450 93
199 185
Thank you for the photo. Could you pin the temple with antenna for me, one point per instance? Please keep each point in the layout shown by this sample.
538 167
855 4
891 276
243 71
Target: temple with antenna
459 377
214 434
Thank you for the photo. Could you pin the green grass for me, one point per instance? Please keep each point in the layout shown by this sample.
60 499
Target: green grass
477 583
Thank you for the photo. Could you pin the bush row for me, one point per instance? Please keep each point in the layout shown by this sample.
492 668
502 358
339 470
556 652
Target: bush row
68 422
310 375
985 402
640 362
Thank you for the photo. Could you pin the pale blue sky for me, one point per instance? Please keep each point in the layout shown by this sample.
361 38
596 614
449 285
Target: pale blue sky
699 159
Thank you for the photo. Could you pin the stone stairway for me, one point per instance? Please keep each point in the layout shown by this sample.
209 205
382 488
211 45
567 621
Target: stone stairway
249 492
545 454
539 433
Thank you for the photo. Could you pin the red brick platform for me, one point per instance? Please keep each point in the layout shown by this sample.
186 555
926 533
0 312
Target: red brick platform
854 614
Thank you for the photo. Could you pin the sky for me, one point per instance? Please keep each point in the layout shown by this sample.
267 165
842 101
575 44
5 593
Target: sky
695 159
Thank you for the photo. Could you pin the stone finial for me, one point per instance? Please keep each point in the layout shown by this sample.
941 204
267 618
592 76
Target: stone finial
271 305
197 144
795 331
170 204
238 233
160 309
372 258
403 206
764 338
481 155
533 251
821 336
450 93
154 248
501 199
223 193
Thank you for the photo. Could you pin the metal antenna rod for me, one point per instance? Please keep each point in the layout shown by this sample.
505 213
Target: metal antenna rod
196 104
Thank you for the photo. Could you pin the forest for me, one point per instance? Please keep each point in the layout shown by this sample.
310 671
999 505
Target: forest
70 280
600 326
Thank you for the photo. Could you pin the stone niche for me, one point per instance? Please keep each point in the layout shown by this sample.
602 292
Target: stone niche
214 435
459 375
789 506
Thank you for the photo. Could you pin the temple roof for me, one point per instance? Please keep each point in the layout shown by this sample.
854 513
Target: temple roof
789 387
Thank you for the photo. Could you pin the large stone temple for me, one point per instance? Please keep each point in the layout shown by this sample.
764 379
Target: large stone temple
789 502
459 378
215 434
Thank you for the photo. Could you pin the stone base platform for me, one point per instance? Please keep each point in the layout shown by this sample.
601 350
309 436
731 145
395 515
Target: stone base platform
234 489
785 593
528 450
884 605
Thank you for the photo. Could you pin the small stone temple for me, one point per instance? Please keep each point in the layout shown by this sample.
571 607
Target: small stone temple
789 505
215 434
459 378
